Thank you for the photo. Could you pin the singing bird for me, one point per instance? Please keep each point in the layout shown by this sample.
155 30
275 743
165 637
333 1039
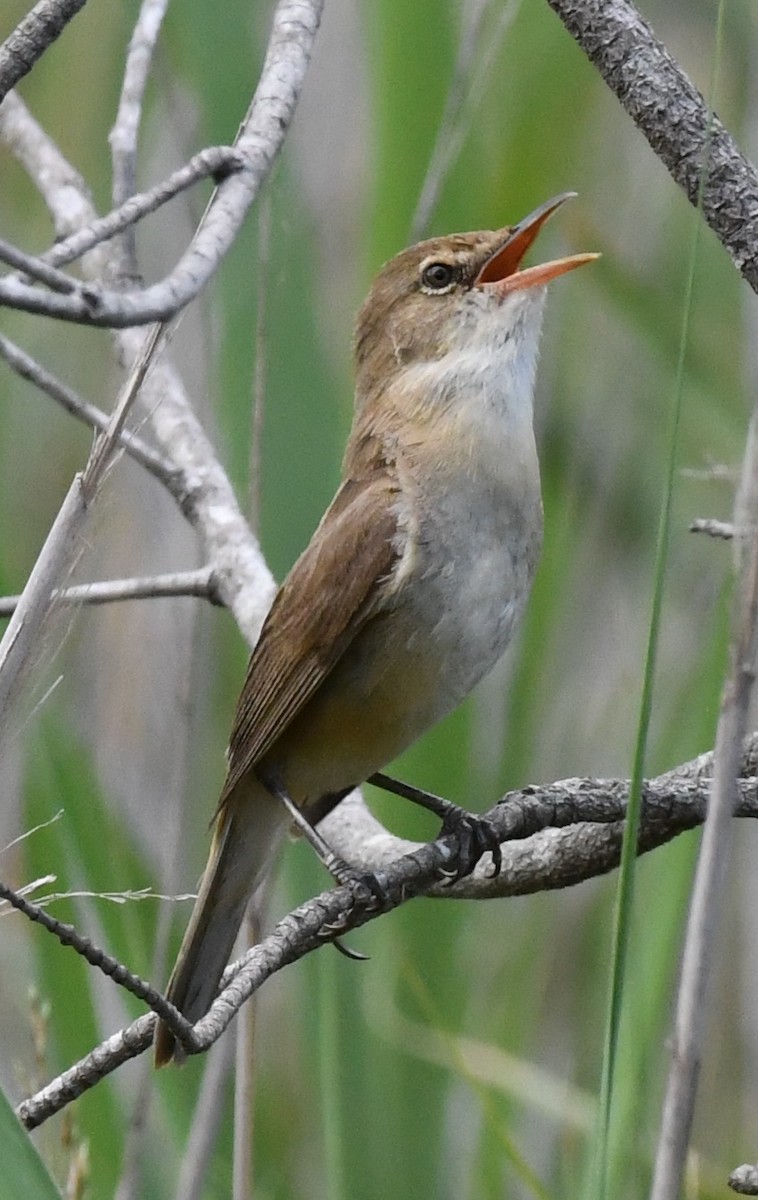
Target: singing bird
413 582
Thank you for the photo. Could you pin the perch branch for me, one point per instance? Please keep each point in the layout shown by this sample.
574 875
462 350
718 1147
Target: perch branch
555 837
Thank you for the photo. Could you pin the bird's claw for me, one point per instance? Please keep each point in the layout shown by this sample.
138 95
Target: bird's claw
472 836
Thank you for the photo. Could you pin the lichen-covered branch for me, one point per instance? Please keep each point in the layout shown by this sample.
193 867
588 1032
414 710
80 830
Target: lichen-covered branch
553 837
672 114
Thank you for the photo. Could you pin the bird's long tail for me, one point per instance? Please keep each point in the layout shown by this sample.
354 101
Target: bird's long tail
247 832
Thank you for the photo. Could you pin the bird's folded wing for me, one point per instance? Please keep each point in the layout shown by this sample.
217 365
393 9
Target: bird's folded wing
333 589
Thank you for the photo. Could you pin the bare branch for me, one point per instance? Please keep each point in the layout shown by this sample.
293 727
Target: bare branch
714 528
674 117
62 188
259 142
25 366
744 1179
215 162
545 857
123 137
37 268
201 486
68 936
64 540
32 37
260 368
242 579
88 1072
77 225
197 583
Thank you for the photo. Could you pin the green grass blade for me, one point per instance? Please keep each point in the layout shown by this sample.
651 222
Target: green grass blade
23 1173
625 893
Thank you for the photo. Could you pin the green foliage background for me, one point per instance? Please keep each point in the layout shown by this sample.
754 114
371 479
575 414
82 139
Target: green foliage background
463 1059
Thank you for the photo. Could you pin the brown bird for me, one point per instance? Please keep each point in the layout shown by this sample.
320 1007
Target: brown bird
413 583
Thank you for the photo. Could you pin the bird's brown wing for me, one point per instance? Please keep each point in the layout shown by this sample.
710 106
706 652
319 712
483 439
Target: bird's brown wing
330 593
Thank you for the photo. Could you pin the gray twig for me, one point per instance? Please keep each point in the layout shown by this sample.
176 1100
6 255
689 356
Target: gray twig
32 37
202 488
714 528
555 836
744 1179
152 587
37 268
260 139
215 162
28 368
68 936
123 137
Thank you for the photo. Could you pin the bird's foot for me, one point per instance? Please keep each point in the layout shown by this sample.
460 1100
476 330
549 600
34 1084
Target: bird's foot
366 884
472 836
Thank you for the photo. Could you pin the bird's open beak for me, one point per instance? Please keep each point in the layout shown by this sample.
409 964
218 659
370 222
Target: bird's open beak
501 274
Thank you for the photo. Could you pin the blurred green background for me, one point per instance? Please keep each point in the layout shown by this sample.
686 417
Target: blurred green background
463 1059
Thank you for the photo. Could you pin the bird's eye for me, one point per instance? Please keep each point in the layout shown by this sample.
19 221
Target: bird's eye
437 276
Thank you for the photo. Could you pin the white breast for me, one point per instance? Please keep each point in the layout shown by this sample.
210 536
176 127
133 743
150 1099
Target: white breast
474 530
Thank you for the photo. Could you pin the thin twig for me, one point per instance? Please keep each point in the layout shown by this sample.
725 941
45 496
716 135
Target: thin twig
28 368
68 936
123 136
215 162
37 268
259 367
197 583
714 528
202 487
63 189
259 141
64 540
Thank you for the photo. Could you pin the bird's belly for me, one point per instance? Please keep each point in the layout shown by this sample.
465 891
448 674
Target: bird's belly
406 669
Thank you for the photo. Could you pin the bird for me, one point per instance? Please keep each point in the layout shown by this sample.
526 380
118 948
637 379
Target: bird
413 582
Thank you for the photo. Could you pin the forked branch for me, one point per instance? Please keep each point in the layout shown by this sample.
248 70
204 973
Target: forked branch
553 837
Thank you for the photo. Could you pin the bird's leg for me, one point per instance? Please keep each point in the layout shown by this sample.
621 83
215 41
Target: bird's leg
474 835
336 866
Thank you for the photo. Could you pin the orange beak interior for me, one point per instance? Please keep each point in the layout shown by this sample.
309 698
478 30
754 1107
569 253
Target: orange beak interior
501 271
